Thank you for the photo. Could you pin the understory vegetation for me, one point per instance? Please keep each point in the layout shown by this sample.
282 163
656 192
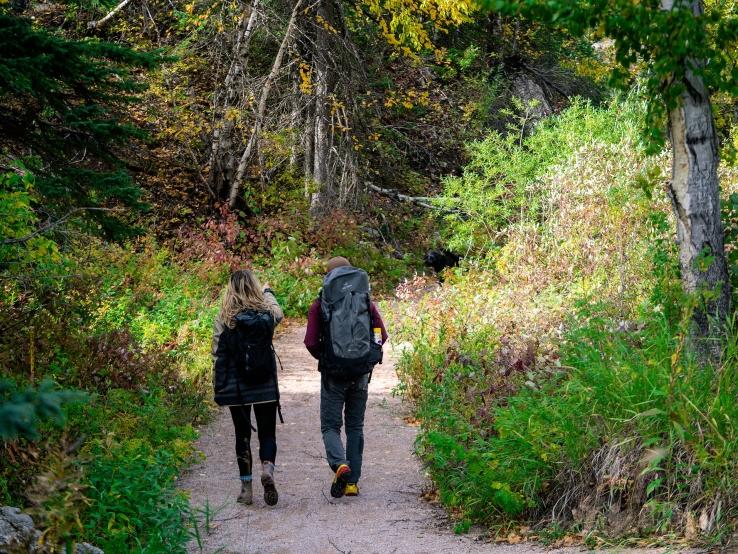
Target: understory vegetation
551 377
127 327
148 149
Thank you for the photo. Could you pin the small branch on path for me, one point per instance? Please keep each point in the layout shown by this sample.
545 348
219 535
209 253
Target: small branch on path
239 516
341 551
326 498
313 456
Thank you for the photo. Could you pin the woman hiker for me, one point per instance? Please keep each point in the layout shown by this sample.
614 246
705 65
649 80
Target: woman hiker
245 374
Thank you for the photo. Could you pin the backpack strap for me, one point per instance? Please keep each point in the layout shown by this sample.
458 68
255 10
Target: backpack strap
276 384
371 330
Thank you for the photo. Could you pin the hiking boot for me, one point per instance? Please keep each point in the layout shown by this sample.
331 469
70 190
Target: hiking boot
352 489
338 487
247 493
267 481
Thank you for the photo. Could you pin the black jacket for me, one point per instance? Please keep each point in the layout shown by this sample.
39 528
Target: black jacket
228 383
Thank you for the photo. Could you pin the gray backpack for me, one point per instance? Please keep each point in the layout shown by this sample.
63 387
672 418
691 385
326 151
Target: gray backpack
349 348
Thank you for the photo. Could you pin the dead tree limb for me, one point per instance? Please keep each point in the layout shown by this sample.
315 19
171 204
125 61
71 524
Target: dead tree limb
221 158
100 22
422 201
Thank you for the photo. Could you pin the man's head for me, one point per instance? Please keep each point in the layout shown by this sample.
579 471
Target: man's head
338 261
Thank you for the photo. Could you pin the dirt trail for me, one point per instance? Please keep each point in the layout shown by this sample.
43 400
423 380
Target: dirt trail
389 515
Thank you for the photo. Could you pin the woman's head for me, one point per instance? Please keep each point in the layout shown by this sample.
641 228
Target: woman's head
243 293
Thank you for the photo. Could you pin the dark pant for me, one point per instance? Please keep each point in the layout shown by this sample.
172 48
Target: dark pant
266 424
339 399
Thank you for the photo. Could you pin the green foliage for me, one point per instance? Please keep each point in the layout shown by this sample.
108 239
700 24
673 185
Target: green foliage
293 274
550 376
135 504
120 491
295 271
627 391
21 411
65 101
21 245
730 220
670 42
133 328
501 185
142 443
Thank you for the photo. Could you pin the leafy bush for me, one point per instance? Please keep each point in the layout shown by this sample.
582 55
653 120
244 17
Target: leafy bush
22 246
629 429
131 326
294 274
21 411
504 182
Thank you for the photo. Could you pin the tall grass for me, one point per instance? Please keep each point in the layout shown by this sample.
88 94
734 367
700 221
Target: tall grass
630 438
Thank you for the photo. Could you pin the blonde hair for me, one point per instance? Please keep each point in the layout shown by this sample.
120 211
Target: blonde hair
243 293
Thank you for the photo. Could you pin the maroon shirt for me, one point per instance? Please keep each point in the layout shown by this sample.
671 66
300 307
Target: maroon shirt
315 321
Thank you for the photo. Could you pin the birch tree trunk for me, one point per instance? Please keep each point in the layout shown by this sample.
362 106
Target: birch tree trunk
322 137
222 159
695 197
261 109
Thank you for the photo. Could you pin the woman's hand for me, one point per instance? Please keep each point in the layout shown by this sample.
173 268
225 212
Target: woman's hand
265 286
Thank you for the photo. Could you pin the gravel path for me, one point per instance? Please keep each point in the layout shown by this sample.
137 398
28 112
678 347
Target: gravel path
388 516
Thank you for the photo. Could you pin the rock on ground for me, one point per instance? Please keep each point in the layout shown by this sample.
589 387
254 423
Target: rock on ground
18 534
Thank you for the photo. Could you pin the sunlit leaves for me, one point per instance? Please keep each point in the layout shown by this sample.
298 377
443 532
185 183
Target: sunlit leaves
21 244
671 42
408 25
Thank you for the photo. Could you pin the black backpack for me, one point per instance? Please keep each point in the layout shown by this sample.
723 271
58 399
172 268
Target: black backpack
256 359
349 345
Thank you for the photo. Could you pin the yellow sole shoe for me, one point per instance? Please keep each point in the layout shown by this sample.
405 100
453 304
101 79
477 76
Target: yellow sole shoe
338 487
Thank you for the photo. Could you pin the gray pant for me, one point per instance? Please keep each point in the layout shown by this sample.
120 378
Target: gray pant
349 397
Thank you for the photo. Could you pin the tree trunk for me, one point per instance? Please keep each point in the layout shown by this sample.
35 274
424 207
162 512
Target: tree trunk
222 159
322 142
308 147
261 110
695 196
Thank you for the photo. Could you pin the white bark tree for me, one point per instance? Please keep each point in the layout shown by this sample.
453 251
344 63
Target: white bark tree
695 197
222 160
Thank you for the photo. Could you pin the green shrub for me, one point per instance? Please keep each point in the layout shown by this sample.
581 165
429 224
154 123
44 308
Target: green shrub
503 183
549 372
672 425
21 411
294 274
132 326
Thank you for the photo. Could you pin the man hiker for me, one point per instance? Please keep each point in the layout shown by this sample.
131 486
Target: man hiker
344 333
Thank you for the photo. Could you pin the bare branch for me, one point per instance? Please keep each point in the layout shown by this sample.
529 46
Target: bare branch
100 22
49 226
422 201
246 156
